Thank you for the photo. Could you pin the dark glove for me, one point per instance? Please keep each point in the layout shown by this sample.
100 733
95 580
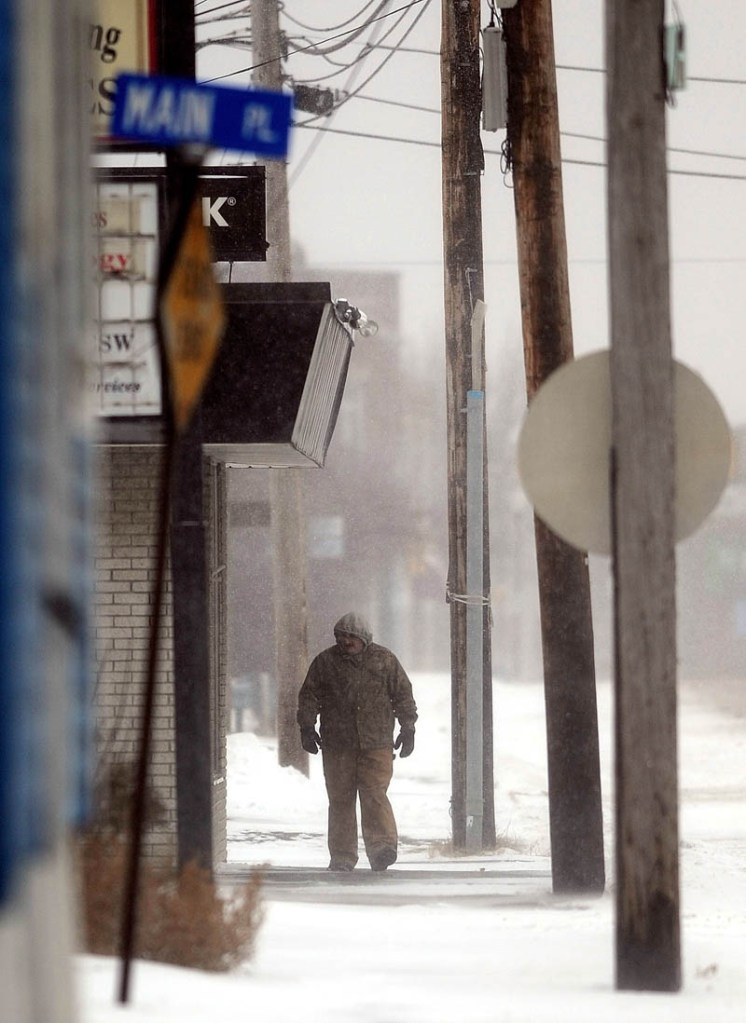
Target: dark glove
310 740
405 739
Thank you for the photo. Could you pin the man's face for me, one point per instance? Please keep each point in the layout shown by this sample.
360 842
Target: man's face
349 644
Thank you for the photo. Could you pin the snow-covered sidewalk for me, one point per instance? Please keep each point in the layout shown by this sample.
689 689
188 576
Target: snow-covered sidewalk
448 959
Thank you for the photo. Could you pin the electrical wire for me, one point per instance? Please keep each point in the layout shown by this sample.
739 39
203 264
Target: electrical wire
566 134
329 28
399 103
689 78
669 149
313 48
384 62
237 42
330 61
367 50
353 33
225 18
303 49
203 19
307 156
412 49
496 152
602 70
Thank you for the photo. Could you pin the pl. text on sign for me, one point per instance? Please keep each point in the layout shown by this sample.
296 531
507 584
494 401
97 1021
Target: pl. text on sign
173 111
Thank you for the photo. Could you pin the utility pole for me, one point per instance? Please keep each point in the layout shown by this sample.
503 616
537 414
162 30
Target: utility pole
648 953
286 491
575 816
464 288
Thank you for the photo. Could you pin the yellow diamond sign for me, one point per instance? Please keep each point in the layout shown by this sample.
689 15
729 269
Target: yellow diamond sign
192 317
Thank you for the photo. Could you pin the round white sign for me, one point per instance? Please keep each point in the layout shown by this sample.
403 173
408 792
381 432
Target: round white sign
563 452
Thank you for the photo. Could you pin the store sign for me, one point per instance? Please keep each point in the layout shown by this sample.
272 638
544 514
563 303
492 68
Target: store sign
124 366
125 377
121 37
233 209
120 252
116 214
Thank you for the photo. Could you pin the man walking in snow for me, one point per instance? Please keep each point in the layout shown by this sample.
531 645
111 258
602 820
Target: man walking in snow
358 688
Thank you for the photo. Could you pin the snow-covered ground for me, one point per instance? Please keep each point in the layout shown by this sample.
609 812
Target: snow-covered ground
446 959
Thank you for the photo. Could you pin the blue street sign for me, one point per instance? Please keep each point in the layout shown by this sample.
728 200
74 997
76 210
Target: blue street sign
177 111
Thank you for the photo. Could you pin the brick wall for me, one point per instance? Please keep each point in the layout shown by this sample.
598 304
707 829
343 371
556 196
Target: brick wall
125 564
126 516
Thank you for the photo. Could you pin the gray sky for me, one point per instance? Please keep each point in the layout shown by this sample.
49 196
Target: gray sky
365 201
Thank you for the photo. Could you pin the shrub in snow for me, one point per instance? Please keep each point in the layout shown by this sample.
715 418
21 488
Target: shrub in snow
182 919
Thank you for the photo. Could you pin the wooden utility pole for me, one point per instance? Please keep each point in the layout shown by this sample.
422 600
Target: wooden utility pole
648 955
464 286
575 816
286 490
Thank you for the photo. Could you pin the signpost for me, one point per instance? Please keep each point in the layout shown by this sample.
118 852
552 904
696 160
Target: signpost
180 115
677 455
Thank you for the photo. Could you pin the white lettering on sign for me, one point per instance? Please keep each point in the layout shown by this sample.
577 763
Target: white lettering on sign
257 124
175 112
211 211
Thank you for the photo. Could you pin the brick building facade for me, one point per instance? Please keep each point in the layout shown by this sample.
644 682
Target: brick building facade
127 480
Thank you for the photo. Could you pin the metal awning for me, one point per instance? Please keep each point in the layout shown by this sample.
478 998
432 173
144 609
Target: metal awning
275 391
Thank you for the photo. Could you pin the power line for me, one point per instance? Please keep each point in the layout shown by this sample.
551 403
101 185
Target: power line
394 50
303 49
497 152
311 150
318 139
367 50
239 42
567 134
395 103
669 149
352 34
511 261
412 49
602 70
222 7
329 28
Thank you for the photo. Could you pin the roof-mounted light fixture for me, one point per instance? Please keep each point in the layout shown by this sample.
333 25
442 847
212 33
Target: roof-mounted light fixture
354 318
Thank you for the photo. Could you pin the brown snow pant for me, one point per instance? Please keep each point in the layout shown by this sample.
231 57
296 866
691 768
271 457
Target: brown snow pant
365 773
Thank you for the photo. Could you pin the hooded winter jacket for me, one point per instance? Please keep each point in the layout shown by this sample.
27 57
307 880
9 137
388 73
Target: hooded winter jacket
357 696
